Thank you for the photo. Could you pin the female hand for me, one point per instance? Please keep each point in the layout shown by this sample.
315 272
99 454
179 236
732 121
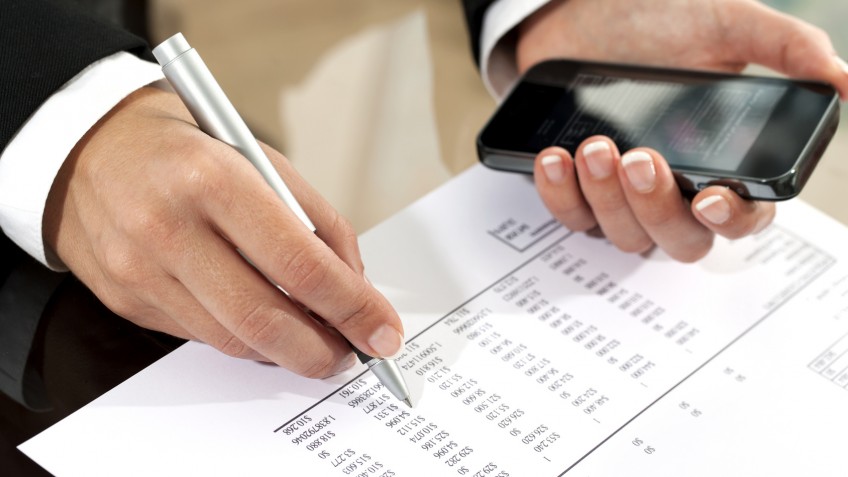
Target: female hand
631 195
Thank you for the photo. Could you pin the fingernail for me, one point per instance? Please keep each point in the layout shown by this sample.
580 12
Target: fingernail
386 341
842 64
554 170
639 167
598 159
715 208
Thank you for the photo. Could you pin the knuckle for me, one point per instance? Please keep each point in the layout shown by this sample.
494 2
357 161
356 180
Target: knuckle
580 224
232 346
194 180
122 265
817 33
766 213
257 327
659 217
579 221
634 244
306 270
319 365
693 249
202 175
575 216
608 203
690 255
362 307
743 229
120 304
801 41
200 179
153 223
343 228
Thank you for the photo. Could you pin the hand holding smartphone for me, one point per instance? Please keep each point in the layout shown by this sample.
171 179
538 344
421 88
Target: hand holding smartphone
759 136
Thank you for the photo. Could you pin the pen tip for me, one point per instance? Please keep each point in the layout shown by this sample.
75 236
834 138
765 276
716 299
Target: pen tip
408 402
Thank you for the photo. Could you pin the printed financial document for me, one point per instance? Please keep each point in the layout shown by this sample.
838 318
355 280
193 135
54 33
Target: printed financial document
531 351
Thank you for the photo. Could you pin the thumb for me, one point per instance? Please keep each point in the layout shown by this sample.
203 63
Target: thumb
786 44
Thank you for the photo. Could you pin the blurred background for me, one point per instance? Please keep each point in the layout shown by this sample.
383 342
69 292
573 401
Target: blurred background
377 102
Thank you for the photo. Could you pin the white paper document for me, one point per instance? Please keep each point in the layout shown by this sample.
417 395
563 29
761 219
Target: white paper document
531 351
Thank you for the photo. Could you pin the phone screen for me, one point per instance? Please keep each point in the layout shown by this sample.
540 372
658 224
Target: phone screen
751 126
700 125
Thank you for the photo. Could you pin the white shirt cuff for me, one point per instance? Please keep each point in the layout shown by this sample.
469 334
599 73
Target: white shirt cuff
32 159
497 54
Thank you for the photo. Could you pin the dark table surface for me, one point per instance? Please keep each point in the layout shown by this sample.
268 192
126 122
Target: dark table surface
82 351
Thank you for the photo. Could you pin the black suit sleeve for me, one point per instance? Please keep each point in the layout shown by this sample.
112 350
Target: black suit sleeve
43 44
475 10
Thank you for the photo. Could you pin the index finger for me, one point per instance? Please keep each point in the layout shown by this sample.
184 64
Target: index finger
331 228
658 204
250 214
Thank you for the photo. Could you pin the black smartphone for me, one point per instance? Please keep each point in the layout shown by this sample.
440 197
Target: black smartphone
760 136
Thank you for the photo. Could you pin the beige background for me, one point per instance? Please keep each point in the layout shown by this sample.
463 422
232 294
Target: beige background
377 102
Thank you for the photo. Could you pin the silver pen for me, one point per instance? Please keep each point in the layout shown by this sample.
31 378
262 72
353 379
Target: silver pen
217 117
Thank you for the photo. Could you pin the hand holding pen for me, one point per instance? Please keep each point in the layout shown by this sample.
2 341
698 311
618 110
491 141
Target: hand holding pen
216 116
149 212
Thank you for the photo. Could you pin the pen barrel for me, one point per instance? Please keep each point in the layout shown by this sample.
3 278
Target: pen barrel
215 114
